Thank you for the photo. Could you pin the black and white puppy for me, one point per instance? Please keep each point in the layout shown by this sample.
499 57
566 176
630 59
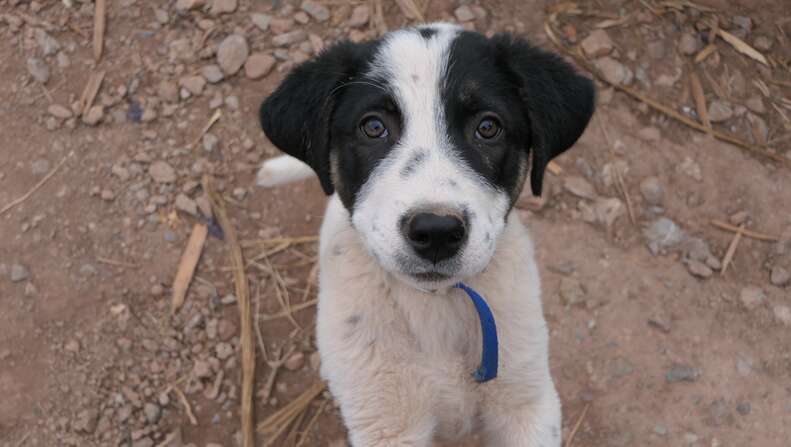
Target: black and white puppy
423 139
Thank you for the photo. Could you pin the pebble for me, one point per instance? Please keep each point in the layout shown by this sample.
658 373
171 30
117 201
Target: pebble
59 111
662 234
94 115
258 65
751 297
187 205
194 84
201 369
652 190
162 172
186 5
38 69
614 71
212 73
682 373
223 350
162 16
168 91
650 134
223 7
361 14
699 269
152 412
571 291
19 273
597 44
47 43
316 10
780 277
782 314
579 187
295 362
763 43
689 44
744 408
691 168
40 166
720 111
289 38
756 104
464 14
261 21
232 54
86 421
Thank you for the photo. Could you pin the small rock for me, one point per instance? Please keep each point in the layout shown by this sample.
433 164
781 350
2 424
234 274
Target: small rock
662 234
223 350
212 73
86 421
780 277
162 16
743 22
152 412
763 43
223 7
201 369
756 104
614 71
464 14
168 91
650 134
782 314
571 292
758 128
295 362
744 408
194 84
261 21
689 44
679 373
232 54
699 269
691 168
739 217
187 5
38 69
94 115
210 142
361 14
290 38
47 43
40 166
597 44
751 297
744 367
652 191
258 65
579 187
656 49
720 111
316 10
59 111
187 205
162 172
19 273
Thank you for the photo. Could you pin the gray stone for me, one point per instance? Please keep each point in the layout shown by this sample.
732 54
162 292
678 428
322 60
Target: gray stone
720 111
223 7
682 373
261 21
689 44
597 44
152 412
194 84
763 43
699 269
361 14
232 54
316 10
223 350
38 69
185 204
94 115
47 43
744 408
86 421
162 172
614 72
258 65
780 277
210 141
579 187
652 190
756 104
18 273
751 297
663 234
186 5
290 38
212 73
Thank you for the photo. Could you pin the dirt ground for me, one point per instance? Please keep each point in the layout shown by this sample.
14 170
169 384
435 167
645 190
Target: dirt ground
651 343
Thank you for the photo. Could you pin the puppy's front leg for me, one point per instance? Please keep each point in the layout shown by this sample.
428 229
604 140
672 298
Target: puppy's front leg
536 424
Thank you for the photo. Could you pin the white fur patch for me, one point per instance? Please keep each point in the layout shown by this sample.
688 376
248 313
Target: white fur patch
282 170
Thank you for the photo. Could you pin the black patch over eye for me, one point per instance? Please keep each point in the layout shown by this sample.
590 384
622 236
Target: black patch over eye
374 127
488 128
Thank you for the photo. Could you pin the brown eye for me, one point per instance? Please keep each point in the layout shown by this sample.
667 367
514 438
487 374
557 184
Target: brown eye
373 127
488 128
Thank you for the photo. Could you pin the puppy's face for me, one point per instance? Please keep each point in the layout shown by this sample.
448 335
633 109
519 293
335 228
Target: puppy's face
425 135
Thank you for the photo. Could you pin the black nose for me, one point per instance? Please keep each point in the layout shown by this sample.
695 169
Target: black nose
434 237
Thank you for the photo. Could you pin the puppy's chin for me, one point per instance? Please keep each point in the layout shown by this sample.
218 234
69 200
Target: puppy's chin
429 283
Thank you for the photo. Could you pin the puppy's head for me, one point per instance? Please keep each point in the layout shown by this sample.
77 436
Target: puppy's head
427 136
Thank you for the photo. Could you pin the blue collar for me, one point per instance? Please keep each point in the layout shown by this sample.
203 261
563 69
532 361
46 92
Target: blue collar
488 367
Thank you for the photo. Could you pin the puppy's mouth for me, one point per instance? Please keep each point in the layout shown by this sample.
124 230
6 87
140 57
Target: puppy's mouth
430 276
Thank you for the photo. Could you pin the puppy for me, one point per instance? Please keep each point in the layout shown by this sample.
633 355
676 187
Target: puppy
423 140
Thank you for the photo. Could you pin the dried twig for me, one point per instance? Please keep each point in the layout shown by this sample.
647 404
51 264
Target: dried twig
577 425
274 368
90 91
618 175
742 47
117 263
751 234
35 188
283 417
311 423
214 118
289 313
726 261
245 315
700 99
99 24
187 265
185 403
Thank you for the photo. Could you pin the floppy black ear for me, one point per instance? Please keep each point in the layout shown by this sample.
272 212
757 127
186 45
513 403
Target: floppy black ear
296 117
559 102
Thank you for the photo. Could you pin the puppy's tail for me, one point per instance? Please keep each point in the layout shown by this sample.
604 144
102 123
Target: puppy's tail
282 170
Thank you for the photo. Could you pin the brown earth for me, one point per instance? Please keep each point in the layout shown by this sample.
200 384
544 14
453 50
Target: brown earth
657 355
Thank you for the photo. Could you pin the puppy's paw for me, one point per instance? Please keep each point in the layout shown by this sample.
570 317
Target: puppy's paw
281 171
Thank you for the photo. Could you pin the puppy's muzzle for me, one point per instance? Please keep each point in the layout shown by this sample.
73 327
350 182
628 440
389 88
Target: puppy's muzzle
434 236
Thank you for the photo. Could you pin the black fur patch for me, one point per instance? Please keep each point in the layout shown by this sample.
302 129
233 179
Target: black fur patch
428 32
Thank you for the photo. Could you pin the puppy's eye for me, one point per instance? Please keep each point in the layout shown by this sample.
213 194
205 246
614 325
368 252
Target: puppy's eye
488 128
373 127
